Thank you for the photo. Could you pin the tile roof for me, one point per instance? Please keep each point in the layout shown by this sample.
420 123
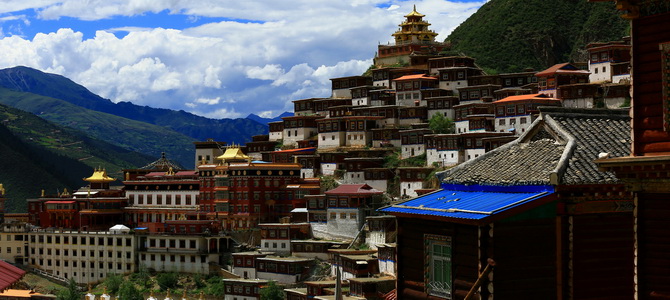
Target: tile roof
608 132
559 148
520 164
9 275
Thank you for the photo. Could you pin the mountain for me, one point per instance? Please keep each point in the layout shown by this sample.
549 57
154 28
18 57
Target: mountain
510 35
24 79
266 121
128 134
37 154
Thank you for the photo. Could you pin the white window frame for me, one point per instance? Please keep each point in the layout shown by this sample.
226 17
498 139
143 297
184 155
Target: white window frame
439 274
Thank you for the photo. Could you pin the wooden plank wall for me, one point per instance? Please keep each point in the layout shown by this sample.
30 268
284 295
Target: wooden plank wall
525 255
653 233
648 134
411 256
603 256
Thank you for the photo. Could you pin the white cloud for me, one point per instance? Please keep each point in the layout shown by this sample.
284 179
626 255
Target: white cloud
208 101
248 67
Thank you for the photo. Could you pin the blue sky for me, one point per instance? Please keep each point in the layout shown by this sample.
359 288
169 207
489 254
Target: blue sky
219 59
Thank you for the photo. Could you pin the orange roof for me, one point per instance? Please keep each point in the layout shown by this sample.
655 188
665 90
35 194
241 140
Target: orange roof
526 97
561 68
416 76
18 293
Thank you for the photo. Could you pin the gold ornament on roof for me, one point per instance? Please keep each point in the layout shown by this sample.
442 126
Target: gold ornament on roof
99 176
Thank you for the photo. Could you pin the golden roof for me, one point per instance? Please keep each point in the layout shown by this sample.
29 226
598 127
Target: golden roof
233 153
99 175
414 13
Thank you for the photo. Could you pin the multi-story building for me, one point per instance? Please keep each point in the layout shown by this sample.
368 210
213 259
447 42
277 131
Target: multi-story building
408 88
158 197
348 205
244 289
250 193
341 87
83 256
206 151
383 77
516 113
188 252
609 62
94 207
276 130
244 263
412 179
560 74
452 78
412 143
14 242
298 128
286 270
413 37
276 237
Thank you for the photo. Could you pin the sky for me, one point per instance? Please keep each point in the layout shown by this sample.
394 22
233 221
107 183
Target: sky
218 59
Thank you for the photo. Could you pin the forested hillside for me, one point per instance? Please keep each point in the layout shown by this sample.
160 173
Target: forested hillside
511 35
36 154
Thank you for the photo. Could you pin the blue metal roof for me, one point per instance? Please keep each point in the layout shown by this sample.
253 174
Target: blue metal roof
471 202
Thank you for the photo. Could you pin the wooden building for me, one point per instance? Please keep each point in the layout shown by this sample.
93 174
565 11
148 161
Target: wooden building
560 74
408 88
244 288
341 87
531 219
645 170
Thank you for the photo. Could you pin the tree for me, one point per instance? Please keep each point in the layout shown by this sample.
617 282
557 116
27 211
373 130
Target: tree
216 286
440 124
167 280
128 291
272 292
328 183
113 282
71 292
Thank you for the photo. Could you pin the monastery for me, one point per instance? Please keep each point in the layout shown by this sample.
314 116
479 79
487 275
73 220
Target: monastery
546 187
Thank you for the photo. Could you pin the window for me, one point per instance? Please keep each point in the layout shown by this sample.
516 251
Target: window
501 122
438 274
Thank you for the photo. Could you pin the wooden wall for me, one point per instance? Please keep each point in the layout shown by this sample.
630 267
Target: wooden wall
653 233
525 255
648 134
602 257
411 256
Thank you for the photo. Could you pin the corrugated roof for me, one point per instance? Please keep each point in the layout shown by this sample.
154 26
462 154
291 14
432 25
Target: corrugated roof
474 203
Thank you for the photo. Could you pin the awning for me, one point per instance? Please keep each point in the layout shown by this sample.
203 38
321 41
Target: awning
60 202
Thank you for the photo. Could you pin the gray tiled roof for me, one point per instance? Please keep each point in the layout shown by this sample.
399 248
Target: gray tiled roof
594 134
564 142
519 164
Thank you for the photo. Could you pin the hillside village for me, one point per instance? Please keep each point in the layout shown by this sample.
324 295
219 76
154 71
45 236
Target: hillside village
424 178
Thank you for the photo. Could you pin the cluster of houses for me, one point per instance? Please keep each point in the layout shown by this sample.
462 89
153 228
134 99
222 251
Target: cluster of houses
549 186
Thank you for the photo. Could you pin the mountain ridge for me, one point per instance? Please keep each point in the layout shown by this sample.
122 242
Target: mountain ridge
511 35
30 80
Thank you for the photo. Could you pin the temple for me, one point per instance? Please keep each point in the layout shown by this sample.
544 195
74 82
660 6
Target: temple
414 43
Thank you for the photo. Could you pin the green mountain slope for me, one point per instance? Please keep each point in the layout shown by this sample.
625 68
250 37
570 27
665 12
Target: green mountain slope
25 79
37 154
510 35
125 133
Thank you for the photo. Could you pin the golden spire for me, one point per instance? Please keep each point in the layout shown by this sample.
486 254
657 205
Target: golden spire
42 193
99 176
414 13
2 190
